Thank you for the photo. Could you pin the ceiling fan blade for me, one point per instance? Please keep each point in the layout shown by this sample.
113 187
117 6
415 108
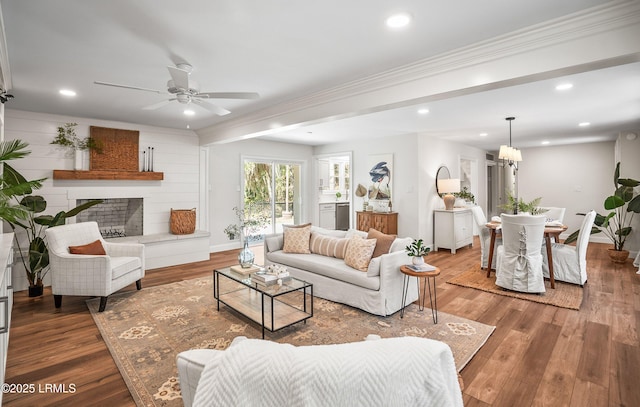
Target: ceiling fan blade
180 77
158 105
212 108
115 85
229 95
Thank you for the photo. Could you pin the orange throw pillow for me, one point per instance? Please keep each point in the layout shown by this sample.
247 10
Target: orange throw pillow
94 248
383 242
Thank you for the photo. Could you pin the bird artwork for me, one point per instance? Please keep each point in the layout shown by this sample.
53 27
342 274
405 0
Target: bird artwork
380 176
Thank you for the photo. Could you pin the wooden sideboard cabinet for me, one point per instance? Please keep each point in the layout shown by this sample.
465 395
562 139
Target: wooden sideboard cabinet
452 229
385 222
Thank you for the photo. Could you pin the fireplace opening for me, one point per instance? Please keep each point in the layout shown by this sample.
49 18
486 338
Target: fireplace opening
116 217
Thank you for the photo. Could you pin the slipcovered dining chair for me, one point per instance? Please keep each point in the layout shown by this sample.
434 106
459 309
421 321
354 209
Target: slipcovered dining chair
519 262
553 213
484 235
100 269
570 262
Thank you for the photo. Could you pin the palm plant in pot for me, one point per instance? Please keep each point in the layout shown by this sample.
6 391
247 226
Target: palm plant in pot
616 224
417 250
36 259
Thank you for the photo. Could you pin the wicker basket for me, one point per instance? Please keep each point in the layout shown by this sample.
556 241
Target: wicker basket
183 221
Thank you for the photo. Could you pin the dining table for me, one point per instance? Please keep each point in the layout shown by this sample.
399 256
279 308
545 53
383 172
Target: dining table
549 232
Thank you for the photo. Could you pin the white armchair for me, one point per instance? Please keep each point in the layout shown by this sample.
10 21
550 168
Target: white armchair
485 237
91 275
404 371
570 262
519 262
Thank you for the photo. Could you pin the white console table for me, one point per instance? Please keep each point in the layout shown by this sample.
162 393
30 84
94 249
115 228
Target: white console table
453 228
6 299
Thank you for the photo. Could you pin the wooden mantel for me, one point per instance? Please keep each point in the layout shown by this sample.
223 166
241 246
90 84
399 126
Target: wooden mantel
108 175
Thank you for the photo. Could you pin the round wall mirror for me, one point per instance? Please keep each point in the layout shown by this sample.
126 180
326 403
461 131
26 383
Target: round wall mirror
443 173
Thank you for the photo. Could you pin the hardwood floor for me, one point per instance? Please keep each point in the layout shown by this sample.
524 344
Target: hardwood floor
538 354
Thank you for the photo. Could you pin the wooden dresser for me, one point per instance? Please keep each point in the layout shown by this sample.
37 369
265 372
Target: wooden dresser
385 222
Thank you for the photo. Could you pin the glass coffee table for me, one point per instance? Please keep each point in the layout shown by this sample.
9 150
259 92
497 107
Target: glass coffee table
273 307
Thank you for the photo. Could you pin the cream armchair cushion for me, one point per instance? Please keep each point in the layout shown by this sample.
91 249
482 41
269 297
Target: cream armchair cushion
91 275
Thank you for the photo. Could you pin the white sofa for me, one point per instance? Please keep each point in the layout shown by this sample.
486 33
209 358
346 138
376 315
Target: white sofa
407 371
378 291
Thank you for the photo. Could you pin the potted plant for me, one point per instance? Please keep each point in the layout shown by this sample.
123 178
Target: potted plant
232 231
512 206
338 195
36 259
417 249
68 138
465 195
251 220
616 224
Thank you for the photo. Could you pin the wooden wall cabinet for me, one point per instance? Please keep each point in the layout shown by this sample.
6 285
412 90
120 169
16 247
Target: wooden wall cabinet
452 229
385 222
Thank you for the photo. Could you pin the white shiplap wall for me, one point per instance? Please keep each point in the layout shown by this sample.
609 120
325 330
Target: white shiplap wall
176 152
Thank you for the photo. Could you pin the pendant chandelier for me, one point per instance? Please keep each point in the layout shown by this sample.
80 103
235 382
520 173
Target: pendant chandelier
508 153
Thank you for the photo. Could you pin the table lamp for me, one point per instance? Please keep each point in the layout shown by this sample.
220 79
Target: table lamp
447 187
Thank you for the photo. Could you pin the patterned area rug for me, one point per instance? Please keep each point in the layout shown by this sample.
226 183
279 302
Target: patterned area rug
146 329
564 295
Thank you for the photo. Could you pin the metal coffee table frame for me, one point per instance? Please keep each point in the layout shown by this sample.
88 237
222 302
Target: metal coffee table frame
260 303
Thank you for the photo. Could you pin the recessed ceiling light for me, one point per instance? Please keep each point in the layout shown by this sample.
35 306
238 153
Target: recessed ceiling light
399 20
189 112
483 134
564 86
545 142
584 124
67 92
424 110
188 127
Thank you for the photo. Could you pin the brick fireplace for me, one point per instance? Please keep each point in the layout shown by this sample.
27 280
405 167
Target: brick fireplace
116 217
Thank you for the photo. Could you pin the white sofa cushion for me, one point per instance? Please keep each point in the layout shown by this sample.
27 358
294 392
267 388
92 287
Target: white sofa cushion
326 266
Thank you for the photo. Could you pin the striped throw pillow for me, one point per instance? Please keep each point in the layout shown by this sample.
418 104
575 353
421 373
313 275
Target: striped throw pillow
329 246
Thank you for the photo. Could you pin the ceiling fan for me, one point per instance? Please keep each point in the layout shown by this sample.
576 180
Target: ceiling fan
187 91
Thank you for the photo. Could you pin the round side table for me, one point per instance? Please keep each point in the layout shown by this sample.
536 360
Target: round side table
433 301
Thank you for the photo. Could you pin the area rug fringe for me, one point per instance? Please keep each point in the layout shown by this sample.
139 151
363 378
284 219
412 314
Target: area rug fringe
564 295
145 330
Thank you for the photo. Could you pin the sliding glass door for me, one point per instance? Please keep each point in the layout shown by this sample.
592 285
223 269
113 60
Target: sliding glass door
272 188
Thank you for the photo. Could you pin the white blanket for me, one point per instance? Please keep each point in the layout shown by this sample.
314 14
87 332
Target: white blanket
404 371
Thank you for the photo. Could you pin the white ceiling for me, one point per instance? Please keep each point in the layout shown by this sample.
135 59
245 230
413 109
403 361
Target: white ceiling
284 49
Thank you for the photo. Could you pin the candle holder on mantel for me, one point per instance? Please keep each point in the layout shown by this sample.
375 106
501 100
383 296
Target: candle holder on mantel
147 159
